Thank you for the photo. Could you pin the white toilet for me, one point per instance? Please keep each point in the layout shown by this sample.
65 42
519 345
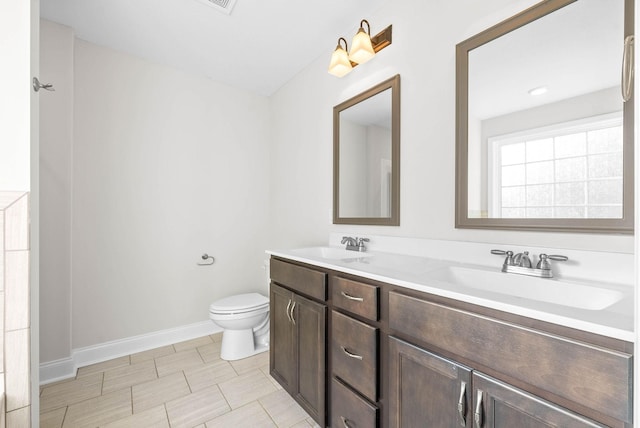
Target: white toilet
245 320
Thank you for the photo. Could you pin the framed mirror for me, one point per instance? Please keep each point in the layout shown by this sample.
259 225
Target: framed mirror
544 138
366 157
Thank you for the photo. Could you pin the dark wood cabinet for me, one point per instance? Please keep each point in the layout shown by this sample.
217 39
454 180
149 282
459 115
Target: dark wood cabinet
282 357
350 410
354 354
500 405
298 349
395 357
427 390
592 380
310 319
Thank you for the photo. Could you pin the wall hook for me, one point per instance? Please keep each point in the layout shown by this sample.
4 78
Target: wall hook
46 86
208 260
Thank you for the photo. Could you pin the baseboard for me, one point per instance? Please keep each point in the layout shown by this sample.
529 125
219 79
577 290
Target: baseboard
65 368
53 371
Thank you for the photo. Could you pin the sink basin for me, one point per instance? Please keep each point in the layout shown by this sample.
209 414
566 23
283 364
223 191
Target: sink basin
330 253
559 292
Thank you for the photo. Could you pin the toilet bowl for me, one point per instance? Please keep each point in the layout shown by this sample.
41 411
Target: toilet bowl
245 320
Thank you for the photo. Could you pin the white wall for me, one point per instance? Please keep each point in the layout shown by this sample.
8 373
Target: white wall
423 53
15 102
378 150
353 169
164 166
56 129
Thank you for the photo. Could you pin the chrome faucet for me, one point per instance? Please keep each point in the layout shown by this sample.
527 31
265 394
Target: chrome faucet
522 260
355 244
521 263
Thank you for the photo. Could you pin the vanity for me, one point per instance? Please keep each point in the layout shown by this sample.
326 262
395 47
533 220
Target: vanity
399 339
387 340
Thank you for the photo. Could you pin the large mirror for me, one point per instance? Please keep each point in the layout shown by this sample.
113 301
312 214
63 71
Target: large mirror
366 157
544 136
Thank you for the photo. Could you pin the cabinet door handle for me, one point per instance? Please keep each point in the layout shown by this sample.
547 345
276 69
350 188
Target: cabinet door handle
477 416
350 354
345 422
293 319
462 404
288 312
627 68
350 297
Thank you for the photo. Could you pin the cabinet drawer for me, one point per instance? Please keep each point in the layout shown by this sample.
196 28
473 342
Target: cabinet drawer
354 351
587 375
307 281
356 297
349 410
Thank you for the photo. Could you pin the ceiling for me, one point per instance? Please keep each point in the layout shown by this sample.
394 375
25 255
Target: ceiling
573 51
259 47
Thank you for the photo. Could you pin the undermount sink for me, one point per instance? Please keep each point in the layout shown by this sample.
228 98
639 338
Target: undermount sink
556 291
330 253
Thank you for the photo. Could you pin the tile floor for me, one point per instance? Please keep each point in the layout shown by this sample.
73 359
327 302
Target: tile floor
181 385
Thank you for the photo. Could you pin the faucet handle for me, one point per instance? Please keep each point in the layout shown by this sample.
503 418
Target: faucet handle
508 261
361 242
543 263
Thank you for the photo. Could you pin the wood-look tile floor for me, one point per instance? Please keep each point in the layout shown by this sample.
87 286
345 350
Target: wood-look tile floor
180 385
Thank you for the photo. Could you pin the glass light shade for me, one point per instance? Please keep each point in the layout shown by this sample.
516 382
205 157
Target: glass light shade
361 48
340 64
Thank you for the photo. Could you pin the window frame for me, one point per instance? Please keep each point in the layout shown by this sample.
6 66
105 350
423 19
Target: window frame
494 164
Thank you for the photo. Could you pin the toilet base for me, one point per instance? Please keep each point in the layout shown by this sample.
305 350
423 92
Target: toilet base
238 344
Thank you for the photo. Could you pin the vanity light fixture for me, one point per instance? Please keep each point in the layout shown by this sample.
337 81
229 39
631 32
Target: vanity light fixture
340 64
363 48
538 91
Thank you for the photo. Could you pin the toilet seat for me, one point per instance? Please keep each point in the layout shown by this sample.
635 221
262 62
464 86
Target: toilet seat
239 304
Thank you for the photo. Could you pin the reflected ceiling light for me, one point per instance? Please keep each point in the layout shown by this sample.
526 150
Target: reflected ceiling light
363 48
340 64
538 91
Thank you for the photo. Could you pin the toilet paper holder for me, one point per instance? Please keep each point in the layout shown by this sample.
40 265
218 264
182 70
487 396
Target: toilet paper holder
207 260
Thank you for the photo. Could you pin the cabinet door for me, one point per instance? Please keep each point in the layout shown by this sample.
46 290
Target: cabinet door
310 324
282 358
499 405
427 390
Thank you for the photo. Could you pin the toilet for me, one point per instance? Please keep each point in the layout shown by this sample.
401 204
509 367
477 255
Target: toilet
245 320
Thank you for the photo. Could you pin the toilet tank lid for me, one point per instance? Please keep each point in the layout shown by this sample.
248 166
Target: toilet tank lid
239 301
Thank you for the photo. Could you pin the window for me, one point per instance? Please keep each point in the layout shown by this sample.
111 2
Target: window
570 170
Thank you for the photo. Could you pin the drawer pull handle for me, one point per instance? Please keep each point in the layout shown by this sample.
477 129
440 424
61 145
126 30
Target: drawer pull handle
293 319
345 422
350 354
350 297
477 417
462 404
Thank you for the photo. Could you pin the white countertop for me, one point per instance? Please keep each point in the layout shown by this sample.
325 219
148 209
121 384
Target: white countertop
417 273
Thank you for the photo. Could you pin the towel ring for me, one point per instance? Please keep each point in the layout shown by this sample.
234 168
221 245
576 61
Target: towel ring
208 260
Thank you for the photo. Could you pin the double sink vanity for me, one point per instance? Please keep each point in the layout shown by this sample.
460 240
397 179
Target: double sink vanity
437 334
374 339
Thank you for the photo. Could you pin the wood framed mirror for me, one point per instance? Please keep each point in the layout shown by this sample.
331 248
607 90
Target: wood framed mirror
544 140
366 157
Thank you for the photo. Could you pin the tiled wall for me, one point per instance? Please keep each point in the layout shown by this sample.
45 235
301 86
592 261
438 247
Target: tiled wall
14 308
